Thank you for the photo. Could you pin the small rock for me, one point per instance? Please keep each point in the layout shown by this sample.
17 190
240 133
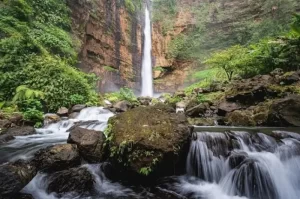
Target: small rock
227 107
58 157
78 108
63 112
122 106
145 100
51 118
16 118
10 133
89 143
179 94
73 115
197 110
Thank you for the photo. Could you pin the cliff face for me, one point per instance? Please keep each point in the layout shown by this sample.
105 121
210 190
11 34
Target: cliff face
110 41
111 36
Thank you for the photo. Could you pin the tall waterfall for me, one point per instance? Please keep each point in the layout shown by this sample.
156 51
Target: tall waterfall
147 81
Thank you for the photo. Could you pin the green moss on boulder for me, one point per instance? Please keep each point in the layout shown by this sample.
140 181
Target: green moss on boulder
148 140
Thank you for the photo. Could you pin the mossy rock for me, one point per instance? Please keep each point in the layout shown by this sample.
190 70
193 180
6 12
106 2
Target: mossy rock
148 141
240 118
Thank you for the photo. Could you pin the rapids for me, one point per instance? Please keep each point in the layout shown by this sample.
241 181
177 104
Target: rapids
222 163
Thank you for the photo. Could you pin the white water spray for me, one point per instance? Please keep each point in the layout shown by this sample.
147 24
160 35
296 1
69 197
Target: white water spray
147 81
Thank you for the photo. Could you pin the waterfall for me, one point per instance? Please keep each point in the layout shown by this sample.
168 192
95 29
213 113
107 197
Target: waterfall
147 81
241 164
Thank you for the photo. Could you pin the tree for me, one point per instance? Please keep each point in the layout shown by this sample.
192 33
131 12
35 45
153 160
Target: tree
230 60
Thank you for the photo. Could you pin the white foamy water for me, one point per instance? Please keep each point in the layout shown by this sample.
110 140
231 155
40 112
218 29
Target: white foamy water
257 167
23 147
147 80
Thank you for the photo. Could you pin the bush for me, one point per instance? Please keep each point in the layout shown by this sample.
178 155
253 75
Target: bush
37 50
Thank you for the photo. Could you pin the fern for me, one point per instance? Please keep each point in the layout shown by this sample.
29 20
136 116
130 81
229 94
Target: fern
25 93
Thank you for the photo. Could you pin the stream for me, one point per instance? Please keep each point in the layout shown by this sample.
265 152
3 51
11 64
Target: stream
222 163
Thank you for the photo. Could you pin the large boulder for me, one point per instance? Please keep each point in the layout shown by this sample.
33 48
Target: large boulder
10 133
14 177
77 180
148 141
285 112
58 157
89 142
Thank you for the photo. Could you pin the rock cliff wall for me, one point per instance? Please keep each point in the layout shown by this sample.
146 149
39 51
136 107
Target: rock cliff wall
110 41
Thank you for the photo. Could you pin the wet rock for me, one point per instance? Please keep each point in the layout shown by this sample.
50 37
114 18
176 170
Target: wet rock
14 177
260 186
161 193
89 143
197 111
227 107
58 157
10 133
78 108
149 141
240 118
78 180
63 112
285 112
51 118
122 106
73 115
237 158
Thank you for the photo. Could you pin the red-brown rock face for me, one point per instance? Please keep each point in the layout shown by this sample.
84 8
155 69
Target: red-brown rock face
110 41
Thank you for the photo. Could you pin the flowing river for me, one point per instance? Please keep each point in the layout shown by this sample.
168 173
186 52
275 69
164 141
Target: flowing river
222 163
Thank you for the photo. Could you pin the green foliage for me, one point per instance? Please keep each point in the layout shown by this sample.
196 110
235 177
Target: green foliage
37 50
76 99
218 25
25 93
110 69
296 24
179 47
158 68
230 60
123 94
33 115
145 171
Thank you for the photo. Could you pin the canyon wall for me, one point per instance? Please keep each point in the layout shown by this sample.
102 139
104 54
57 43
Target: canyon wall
110 41
110 36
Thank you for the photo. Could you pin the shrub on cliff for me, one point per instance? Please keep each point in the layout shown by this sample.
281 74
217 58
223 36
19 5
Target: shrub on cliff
37 50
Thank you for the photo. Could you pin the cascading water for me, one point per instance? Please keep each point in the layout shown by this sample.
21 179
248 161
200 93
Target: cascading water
244 165
233 164
24 147
147 80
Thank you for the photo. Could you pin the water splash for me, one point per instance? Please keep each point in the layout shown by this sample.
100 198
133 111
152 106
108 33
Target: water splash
147 80
23 147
